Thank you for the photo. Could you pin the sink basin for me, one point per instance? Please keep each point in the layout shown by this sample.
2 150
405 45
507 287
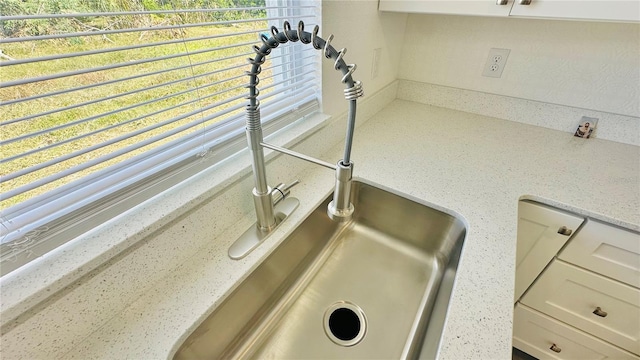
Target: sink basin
377 286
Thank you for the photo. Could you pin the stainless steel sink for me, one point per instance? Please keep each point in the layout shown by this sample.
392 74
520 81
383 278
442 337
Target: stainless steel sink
377 286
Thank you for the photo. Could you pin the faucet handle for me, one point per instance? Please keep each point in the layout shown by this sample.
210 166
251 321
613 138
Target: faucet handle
281 191
288 187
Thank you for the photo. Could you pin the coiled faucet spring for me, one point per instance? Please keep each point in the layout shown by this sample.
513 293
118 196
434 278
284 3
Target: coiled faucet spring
351 93
354 90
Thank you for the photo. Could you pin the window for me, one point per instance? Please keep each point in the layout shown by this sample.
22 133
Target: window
102 101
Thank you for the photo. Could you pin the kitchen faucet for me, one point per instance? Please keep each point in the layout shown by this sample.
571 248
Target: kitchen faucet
272 205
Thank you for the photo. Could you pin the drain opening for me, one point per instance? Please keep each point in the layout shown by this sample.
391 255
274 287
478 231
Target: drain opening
345 323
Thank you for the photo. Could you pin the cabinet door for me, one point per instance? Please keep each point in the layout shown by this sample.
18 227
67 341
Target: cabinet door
546 338
607 250
454 7
617 10
539 240
590 302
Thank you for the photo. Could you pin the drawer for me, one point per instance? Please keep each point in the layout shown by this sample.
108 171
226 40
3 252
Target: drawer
536 333
607 250
572 295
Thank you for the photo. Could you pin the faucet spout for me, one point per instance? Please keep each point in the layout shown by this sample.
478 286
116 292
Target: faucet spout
340 209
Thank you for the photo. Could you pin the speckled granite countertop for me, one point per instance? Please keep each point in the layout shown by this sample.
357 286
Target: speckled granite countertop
475 165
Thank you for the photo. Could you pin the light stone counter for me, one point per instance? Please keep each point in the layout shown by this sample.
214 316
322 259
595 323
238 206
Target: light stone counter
480 167
475 165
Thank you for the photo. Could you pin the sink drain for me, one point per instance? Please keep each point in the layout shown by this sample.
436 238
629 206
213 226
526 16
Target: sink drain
345 323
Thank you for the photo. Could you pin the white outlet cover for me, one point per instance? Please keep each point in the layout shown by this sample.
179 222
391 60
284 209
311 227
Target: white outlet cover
496 62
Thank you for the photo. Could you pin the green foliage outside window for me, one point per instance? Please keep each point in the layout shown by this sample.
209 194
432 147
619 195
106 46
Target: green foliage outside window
36 27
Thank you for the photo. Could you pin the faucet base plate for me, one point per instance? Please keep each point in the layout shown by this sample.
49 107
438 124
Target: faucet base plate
251 238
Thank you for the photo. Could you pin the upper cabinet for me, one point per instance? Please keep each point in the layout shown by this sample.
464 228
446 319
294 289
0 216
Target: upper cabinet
607 10
616 10
453 7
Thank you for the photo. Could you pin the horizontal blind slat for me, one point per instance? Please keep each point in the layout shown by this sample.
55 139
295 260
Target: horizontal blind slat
122 48
149 12
29 117
114 81
135 133
122 151
112 97
115 66
88 119
114 140
129 30
105 158
84 120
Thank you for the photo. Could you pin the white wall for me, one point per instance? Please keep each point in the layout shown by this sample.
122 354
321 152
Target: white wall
592 65
358 26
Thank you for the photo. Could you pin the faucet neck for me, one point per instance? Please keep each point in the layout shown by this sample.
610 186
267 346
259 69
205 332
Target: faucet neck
340 208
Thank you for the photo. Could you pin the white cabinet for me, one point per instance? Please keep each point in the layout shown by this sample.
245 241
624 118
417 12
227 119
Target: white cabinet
590 302
606 10
584 301
546 338
607 250
453 7
617 10
542 232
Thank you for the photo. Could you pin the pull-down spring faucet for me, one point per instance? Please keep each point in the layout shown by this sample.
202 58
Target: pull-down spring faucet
340 209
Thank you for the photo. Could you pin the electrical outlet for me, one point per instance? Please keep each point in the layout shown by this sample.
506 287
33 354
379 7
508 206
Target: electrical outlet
496 62
375 65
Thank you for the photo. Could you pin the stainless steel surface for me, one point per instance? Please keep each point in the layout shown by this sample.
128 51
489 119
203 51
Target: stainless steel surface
254 138
281 191
525 2
354 92
265 213
356 335
251 238
339 210
299 155
502 2
395 260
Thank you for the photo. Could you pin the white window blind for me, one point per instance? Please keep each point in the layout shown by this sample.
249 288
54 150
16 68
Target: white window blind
97 106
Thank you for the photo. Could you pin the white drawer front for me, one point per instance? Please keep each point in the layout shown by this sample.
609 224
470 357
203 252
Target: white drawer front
608 250
539 240
536 333
572 294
